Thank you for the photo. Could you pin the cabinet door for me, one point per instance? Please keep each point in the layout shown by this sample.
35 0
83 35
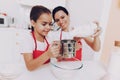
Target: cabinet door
7 45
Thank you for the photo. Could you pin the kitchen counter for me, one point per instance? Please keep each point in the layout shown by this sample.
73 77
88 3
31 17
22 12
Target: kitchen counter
91 70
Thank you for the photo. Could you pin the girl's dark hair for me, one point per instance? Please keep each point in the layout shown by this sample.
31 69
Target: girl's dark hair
58 9
37 11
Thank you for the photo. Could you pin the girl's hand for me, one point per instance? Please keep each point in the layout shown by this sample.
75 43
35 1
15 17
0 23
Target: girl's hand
55 49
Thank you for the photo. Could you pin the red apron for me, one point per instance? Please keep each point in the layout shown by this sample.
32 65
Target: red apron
37 53
78 54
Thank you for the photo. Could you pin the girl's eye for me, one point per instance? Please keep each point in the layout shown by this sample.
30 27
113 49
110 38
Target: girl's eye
51 24
43 24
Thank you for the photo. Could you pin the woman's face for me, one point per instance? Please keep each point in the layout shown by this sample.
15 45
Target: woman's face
62 20
43 25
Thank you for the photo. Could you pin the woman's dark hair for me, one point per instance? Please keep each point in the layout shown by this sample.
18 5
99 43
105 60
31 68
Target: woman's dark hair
37 11
58 9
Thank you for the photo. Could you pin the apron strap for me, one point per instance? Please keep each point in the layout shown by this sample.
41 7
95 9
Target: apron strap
61 35
36 42
47 43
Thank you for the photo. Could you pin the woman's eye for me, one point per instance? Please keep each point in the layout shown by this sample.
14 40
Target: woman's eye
57 20
62 17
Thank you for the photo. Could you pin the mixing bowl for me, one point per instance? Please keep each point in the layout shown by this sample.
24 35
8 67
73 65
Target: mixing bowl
65 69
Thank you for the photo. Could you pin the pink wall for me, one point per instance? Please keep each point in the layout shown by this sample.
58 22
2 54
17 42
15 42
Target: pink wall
112 31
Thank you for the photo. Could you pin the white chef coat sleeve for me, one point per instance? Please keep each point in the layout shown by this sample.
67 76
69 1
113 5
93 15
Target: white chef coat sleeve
26 42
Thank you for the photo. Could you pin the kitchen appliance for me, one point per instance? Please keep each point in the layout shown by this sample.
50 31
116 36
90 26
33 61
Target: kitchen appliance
4 20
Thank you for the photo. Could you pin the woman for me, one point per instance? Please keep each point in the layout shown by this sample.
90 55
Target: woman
36 48
62 18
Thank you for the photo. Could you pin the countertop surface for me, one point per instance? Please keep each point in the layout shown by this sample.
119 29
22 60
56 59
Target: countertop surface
91 70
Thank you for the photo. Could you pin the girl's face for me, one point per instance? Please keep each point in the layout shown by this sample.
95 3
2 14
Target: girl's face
43 25
62 20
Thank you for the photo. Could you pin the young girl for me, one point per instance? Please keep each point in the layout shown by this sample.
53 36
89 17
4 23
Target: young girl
36 48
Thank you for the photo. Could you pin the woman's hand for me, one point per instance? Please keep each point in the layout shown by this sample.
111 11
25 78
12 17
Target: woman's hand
54 49
97 30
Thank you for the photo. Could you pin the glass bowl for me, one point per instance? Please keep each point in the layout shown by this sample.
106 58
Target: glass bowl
65 68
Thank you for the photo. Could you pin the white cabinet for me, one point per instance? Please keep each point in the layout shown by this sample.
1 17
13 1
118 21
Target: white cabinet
11 65
10 45
7 44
